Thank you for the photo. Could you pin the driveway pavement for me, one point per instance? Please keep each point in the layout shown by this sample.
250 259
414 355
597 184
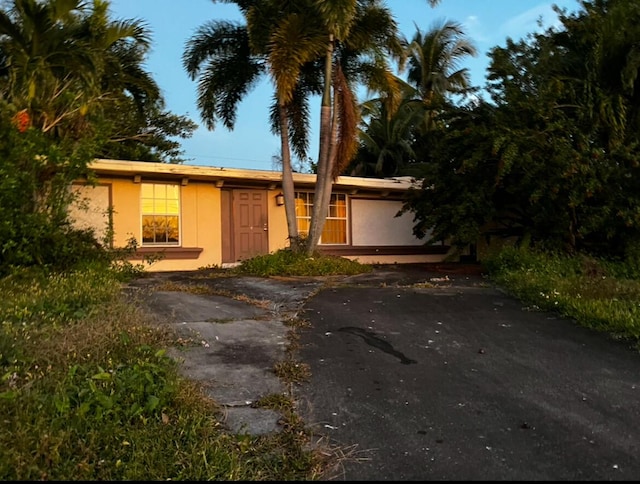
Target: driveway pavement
417 373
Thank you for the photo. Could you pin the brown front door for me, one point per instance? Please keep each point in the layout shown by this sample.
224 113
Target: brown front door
249 214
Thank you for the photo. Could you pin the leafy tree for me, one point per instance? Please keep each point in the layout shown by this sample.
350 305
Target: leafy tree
46 60
55 55
131 115
65 69
34 229
553 158
74 71
147 134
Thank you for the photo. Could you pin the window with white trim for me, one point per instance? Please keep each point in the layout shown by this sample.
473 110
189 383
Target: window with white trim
335 227
160 207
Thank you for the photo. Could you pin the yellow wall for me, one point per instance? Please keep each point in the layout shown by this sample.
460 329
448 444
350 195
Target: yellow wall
125 196
278 232
200 224
200 221
89 210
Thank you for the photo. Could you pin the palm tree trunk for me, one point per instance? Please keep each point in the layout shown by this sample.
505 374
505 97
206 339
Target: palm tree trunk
318 216
322 201
288 189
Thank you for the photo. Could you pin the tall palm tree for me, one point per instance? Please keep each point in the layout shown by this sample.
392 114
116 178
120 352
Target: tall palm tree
229 58
361 35
433 64
349 39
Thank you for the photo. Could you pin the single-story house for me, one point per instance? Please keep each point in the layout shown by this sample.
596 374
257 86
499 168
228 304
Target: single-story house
186 217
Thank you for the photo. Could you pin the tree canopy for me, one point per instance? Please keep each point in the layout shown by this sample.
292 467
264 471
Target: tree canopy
74 71
72 88
553 156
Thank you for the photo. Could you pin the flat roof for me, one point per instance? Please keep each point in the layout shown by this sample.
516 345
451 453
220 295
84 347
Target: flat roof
240 176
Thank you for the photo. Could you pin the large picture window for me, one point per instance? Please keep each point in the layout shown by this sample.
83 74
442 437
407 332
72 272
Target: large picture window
335 227
160 214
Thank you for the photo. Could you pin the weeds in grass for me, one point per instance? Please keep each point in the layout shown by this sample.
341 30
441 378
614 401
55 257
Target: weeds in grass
292 371
599 294
88 393
276 401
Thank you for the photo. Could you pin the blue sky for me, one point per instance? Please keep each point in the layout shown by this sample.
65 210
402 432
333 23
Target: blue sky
487 23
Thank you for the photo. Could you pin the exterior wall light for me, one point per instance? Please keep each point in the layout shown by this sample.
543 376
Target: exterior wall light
279 199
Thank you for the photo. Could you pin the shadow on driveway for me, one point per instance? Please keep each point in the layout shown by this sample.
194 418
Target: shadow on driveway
461 382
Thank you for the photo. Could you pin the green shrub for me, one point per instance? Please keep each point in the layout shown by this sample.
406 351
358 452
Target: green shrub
286 262
35 174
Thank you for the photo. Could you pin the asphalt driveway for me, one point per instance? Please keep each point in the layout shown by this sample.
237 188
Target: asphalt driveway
418 372
461 382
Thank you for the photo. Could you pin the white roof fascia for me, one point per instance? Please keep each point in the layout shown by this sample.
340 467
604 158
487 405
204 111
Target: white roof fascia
120 167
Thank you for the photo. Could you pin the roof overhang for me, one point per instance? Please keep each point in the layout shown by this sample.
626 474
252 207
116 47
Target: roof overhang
230 177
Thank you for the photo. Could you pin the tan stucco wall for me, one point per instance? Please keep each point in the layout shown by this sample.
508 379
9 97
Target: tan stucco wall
200 221
278 232
372 220
126 211
90 209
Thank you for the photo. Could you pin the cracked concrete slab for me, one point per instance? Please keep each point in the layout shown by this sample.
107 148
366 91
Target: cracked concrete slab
235 347
252 421
229 383
184 306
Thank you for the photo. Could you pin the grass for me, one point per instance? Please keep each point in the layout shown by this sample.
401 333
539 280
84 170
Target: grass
87 393
598 294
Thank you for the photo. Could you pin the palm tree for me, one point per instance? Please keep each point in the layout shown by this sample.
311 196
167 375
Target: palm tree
43 59
229 58
386 137
348 40
433 64
360 37
60 58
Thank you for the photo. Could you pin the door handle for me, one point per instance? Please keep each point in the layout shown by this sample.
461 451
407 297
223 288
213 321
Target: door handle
264 227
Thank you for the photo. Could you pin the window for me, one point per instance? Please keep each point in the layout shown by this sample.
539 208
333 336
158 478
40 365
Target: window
335 227
160 214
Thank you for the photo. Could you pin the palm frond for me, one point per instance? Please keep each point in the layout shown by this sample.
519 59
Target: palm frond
349 118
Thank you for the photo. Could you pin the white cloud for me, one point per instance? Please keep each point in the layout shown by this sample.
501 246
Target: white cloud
474 29
527 22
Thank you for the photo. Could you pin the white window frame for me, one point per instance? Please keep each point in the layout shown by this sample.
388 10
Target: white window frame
309 207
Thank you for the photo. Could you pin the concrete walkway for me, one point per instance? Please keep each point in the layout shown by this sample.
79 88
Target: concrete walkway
237 338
